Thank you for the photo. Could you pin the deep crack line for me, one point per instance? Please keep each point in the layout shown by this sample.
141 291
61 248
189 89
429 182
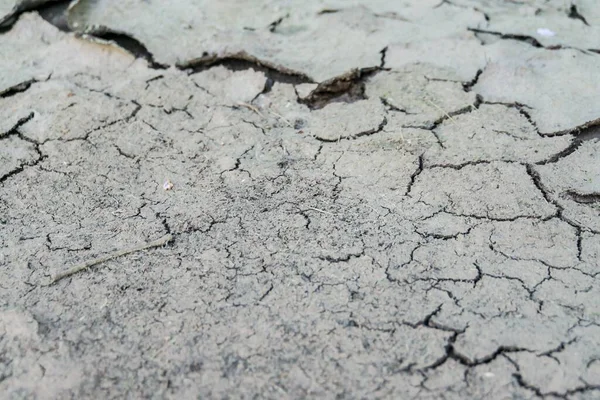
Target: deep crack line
538 391
18 88
574 14
369 132
16 126
415 174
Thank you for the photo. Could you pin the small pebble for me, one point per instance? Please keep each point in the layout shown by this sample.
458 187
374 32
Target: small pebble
545 32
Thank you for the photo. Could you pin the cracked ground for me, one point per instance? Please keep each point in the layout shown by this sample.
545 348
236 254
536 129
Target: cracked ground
364 199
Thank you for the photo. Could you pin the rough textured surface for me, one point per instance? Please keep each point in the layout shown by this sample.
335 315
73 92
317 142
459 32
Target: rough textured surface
366 200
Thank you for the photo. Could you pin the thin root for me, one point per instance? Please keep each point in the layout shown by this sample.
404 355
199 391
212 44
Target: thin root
281 117
319 210
442 110
252 108
82 267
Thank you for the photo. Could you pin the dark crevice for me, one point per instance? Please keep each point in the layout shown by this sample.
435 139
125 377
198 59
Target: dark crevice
389 276
124 154
522 109
582 134
560 348
40 157
537 181
136 110
458 167
390 107
345 258
87 134
525 113
485 15
254 124
484 360
451 353
578 390
472 281
467 86
427 320
383 53
413 176
449 116
573 13
55 13
561 154
521 382
582 198
273 25
355 136
266 293
591 132
347 88
437 236
271 75
328 11
19 169
529 40
243 61
391 15
521 38
21 87
513 218
19 123
531 292
579 244
156 78
588 131
371 131
164 222
238 163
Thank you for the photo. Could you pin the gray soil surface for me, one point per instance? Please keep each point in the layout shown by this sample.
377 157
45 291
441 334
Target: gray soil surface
356 199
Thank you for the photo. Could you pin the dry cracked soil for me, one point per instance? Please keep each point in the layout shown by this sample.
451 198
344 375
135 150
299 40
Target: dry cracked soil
353 199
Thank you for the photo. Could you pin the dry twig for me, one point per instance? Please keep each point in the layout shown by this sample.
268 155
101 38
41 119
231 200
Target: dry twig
82 267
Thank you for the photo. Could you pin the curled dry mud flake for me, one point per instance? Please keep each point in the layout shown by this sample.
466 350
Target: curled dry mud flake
39 50
10 9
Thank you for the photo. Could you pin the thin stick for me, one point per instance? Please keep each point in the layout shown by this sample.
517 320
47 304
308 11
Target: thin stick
441 109
319 210
282 118
253 108
78 268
